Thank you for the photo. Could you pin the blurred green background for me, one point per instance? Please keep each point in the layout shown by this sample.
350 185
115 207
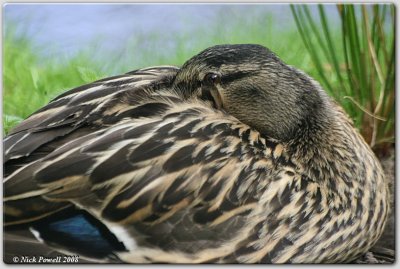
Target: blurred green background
349 49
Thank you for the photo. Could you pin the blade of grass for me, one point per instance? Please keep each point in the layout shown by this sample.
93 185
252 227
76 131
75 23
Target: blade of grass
331 47
350 78
298 19
354 49
315 31
372 115
362 61
367 61
381 33
354 60
375 11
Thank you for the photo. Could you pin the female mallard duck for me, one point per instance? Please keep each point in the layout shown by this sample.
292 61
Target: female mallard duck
235 158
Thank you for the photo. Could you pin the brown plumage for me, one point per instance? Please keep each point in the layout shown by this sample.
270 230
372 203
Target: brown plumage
234 158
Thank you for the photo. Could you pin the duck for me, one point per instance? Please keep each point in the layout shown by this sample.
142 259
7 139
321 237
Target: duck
234 157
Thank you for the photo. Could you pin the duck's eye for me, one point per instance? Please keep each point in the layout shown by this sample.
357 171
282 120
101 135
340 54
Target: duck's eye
212 79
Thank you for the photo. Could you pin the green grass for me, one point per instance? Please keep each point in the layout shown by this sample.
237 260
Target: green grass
31 81
361 64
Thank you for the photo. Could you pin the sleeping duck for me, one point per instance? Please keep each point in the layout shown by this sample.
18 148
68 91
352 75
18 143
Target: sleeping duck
235 157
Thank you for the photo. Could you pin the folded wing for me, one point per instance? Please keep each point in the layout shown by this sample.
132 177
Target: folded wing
168 171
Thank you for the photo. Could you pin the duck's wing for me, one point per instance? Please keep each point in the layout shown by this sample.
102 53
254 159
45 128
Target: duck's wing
183 179
76 113
87 107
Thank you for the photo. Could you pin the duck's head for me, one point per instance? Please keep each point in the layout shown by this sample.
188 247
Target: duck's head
252 84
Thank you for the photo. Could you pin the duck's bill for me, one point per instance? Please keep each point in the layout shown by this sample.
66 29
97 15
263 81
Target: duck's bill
212 96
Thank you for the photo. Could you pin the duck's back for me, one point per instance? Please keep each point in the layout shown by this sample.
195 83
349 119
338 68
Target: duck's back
173 180
176 175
